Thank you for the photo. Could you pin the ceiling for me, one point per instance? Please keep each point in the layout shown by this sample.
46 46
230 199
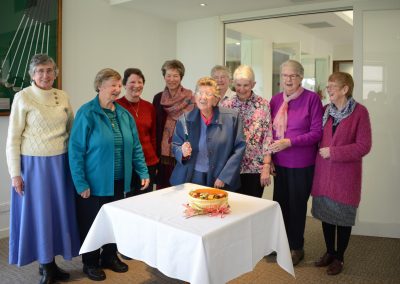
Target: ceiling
181 10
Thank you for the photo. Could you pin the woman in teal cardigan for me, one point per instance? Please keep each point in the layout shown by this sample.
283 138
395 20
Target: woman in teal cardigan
104 147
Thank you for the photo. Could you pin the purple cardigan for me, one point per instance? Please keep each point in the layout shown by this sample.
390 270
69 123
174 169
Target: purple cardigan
339 177
304 129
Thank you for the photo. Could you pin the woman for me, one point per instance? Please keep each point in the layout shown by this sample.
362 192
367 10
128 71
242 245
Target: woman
297 129
145 118
103 149
255 113
169 104
208 143
42 216
337 181
222 76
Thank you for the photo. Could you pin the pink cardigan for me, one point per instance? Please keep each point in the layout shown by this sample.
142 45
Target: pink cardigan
339 177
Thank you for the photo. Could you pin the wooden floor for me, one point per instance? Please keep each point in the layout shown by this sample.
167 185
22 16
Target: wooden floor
367 260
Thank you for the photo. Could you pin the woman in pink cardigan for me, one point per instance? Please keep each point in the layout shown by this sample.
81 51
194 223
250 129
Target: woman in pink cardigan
337 180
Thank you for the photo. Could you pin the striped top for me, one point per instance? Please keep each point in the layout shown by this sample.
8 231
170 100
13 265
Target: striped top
118 145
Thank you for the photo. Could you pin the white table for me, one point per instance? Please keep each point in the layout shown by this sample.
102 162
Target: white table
201 249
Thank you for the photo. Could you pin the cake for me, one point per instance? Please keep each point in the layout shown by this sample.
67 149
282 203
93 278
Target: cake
208 198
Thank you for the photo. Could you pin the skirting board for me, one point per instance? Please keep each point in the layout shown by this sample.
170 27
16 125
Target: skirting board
386 230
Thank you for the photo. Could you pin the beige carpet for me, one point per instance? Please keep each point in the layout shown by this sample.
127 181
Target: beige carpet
367 260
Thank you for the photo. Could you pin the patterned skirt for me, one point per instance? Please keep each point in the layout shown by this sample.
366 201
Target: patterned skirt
332 212
43 221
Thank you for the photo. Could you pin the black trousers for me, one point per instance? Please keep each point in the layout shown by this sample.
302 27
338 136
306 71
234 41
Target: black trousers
292 188
250 185
136 183
164 173
87 209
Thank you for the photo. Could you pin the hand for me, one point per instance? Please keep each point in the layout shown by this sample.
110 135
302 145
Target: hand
145 183
18 184
265 178
325 153
86 193
280 145
186 149
219 183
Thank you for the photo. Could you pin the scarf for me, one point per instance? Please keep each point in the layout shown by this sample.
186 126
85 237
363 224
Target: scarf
175 106
338 115
280 120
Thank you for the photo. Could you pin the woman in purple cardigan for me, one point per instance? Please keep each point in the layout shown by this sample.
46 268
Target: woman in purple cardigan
297 130
337 181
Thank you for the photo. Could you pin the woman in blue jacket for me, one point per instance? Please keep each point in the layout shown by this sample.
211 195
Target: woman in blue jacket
208 142
104 147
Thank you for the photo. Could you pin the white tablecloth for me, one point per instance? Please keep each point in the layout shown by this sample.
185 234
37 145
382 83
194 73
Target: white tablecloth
202 249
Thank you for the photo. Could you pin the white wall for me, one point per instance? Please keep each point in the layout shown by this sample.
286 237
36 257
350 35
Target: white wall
199 47
343 52
97 35
4 179
113 37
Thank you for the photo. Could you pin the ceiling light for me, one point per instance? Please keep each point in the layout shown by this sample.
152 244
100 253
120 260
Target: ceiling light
237 43
203 4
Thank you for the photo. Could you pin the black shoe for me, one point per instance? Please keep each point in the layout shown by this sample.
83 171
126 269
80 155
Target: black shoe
94 273
125 257
297 256
115 264
48 276
58 273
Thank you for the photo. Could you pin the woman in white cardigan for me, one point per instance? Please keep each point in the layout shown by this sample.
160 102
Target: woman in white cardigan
42 216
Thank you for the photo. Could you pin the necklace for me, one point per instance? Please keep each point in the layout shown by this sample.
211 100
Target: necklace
135 110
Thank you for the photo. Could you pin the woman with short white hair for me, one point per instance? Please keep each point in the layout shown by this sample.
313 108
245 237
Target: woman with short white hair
255 113
297 129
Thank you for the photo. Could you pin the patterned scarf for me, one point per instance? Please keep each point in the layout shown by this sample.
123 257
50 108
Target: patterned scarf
280 120
338 115
175 106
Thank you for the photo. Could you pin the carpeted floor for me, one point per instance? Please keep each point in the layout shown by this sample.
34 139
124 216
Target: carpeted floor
367 260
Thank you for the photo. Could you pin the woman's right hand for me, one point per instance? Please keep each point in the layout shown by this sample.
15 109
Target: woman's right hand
186 149
18 184
86 193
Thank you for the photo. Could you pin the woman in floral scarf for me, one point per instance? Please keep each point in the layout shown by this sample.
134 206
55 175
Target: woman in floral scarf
169 104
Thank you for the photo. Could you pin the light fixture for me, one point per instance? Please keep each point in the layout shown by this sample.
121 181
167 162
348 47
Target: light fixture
203 4
237 43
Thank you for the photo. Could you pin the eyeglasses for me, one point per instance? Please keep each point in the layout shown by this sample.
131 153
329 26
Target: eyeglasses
208 96
41 72
333 87
291 76
222 77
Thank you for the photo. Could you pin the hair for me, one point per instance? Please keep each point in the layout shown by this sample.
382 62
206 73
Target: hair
224 69
208 82
343 79
128 72
173 64
104 75
295 65
41 59
244 72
